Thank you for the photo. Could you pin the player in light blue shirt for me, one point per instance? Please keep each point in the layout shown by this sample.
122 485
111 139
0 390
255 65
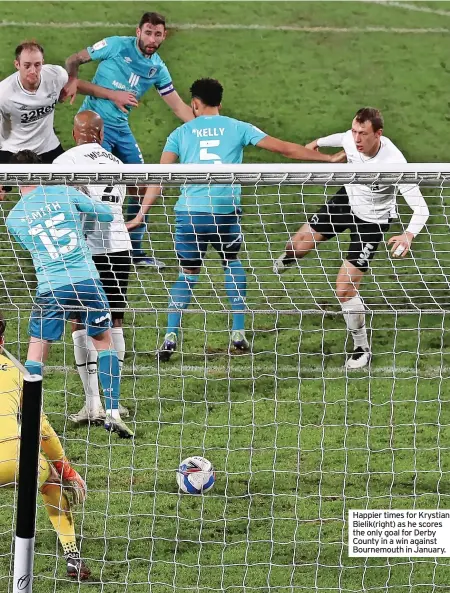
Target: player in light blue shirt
46 222
211 213
128 67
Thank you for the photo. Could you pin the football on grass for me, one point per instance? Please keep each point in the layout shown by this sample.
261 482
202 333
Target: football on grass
196 475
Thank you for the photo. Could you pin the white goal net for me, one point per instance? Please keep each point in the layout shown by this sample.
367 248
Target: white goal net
296 439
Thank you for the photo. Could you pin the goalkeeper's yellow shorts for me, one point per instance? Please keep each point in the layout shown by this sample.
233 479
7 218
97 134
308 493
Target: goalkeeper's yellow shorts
9 464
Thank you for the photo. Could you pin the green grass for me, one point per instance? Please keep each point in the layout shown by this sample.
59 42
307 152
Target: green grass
296 442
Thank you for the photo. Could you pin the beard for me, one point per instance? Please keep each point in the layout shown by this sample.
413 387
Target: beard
146 51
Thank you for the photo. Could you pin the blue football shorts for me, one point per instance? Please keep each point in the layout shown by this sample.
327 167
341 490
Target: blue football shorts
195 231
52 309
123 145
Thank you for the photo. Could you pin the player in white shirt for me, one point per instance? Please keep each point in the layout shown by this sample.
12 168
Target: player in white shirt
366 211
110 246
27 105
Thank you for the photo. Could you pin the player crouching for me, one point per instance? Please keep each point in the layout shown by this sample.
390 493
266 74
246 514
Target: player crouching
58 481
366 211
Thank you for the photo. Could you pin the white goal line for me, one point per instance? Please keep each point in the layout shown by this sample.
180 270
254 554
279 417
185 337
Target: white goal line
256 370
233 27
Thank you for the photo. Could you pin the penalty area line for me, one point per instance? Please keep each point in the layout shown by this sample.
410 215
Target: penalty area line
408 6
235 27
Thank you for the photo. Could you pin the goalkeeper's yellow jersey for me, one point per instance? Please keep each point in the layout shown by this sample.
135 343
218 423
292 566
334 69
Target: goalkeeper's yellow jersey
10 396
10 392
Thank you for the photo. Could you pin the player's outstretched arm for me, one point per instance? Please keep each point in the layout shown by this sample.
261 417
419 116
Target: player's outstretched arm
121 99
178 106
50 443
296 151
401 244
152 193
334 140
70 478
73 63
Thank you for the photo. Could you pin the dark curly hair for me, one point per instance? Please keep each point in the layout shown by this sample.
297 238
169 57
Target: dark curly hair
208 90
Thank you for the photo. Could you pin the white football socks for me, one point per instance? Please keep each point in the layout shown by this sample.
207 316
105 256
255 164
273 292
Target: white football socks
355 319
119 344
86 361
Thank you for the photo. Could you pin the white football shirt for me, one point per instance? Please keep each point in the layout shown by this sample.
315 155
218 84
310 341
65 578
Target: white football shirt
377 203
102 237
26 118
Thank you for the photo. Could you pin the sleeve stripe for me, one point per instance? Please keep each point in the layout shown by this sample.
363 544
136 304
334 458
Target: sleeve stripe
167 92
161 88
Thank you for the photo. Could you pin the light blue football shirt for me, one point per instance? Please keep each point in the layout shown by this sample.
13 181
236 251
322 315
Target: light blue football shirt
47 223
211 139
123 67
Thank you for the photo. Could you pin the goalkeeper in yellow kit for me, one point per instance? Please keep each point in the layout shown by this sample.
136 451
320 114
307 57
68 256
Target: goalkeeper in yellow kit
57 478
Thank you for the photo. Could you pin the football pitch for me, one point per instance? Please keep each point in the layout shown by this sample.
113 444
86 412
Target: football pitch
295 441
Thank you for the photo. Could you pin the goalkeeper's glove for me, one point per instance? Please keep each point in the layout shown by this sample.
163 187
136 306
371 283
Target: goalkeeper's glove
71 480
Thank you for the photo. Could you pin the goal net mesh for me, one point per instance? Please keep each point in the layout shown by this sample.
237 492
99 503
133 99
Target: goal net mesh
296 440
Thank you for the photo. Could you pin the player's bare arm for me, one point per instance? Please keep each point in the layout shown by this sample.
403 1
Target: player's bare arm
312 145
296 151
73 63
178 106
121 99
152 193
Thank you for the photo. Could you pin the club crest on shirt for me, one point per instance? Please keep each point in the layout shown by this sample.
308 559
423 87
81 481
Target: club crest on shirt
152 72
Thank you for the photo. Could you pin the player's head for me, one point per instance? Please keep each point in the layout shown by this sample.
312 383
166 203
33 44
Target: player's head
206 95
367 129
29 61
2 329
151 32
25 157
87 127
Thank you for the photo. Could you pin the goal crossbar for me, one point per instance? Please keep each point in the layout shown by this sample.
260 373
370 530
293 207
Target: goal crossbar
423 174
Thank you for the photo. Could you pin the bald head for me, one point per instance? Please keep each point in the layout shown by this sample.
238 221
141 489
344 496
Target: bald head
88 127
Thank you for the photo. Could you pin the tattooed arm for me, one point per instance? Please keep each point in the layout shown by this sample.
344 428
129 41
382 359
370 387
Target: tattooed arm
73 62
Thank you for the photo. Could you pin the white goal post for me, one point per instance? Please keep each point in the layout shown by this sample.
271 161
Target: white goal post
297 441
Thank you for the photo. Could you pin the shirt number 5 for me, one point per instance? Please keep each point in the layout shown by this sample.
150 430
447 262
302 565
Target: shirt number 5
209 156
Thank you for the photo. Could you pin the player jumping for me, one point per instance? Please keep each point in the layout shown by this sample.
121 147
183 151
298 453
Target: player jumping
204 216
132 65
110 246
57 479
47 223
365 210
